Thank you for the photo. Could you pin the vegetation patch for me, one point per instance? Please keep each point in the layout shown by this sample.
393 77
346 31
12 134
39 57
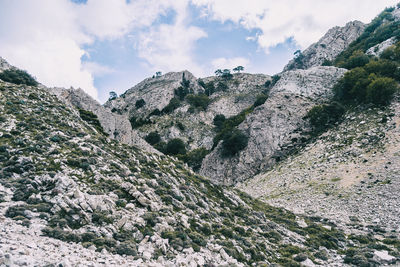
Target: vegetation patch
18 77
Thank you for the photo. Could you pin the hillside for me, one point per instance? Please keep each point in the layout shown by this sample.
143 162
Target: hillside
62 178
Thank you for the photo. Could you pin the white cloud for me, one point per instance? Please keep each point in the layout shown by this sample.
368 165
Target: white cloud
306 20
97 69
169 47
230 63
47 37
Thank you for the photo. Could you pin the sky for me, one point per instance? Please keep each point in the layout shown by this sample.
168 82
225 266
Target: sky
111 45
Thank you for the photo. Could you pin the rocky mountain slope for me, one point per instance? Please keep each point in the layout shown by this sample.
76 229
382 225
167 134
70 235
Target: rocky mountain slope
63 179
350 174
328 47
276 124
193 125
115 125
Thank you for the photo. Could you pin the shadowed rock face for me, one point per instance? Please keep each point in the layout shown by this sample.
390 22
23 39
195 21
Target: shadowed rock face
328 47
272 126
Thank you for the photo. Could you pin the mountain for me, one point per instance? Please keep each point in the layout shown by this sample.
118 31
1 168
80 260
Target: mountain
110 203
296 169
193 124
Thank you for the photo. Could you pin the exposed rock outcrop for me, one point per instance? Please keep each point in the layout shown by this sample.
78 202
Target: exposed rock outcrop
116 126
328 47
156 92
377 50
4 64
274 125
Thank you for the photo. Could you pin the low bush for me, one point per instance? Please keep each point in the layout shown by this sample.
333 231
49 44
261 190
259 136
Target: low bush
175 147
323 116
219 120
260 100
153 138
173 104
195 157
140 103
381 90
92 119
198 101
138 122
233 142
18 77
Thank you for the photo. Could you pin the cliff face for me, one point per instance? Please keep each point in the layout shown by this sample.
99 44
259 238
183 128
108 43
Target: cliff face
273 127
328 47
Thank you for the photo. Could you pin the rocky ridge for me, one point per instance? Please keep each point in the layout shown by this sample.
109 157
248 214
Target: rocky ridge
273 125
116 126
328 47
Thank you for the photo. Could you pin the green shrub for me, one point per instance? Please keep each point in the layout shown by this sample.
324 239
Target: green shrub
140 103
180 126
138 122
195 157
153 138
351 88
173 104
380 29
222 87
373 83
323 116
100 218
219 120
383 67
181 92
357 59
155 112
381 90
327 63
260 100
18 77
92 119
198 101
234 142
209 88
229 125
175 147
392 53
